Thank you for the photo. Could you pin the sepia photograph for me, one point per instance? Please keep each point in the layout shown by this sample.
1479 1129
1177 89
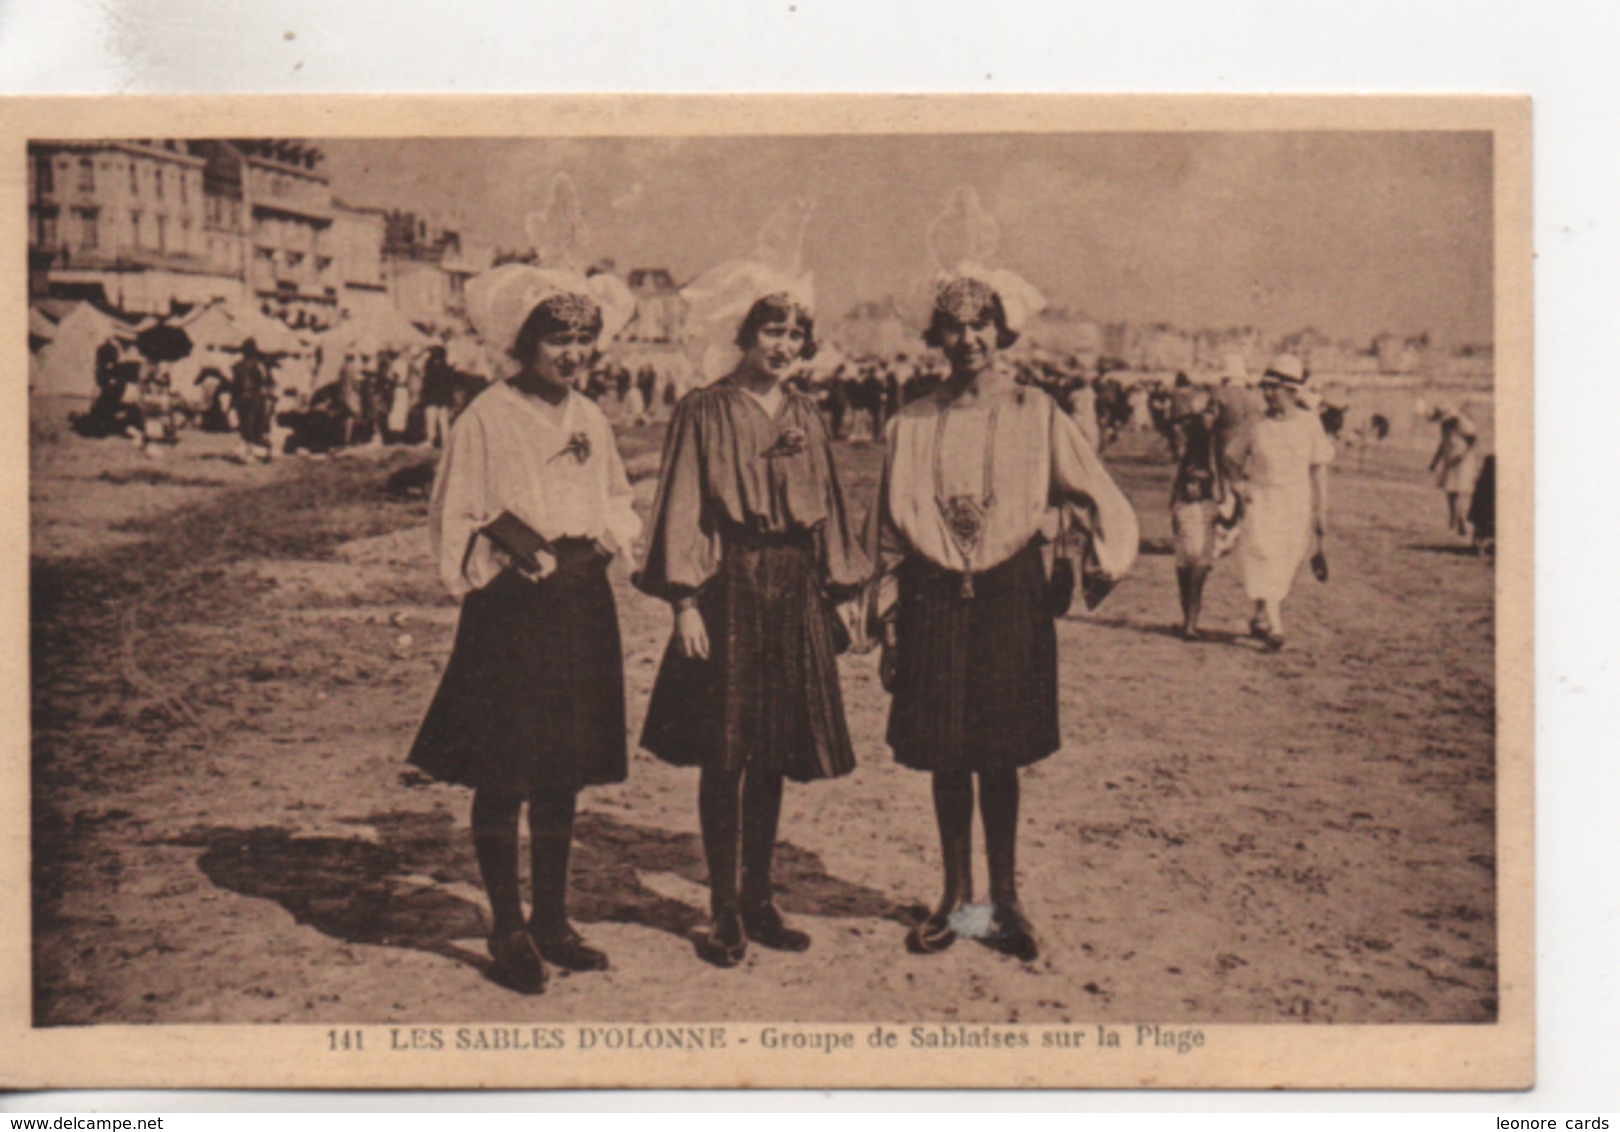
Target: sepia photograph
772 591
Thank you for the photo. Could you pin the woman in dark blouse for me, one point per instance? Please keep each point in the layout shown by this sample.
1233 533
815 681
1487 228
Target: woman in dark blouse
751 544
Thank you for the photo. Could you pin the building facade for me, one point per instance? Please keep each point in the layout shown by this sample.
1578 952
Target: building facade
358 266
291 273
129 224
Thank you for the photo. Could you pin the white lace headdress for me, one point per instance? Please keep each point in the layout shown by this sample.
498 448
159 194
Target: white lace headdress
720 298
962 243
500 300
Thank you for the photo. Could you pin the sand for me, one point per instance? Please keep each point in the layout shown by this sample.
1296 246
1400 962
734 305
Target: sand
230 661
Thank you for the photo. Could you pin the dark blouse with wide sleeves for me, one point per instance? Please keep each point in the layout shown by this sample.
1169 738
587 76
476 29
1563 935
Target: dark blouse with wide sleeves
750 524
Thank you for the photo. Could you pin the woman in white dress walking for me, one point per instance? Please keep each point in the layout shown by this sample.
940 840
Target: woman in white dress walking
1281 462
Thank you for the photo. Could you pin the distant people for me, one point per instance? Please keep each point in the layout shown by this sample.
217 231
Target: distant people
1456 464
873 391
635 407
1083 408
214 394
835 403
438 397
116 409
321 427
647 386
253 394
157 410
1333 414
1236 403
1282 463
375 388
1196 496
351 396
398 411
1482 508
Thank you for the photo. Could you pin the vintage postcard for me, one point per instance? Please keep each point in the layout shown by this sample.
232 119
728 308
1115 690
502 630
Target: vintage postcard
767 592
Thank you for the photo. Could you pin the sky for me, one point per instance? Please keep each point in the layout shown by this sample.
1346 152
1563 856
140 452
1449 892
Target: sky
1351 233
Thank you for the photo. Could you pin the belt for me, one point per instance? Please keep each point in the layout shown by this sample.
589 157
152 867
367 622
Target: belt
747 539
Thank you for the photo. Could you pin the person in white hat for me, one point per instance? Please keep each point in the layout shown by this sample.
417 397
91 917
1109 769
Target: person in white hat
977 476
1281 462
751 544
531 705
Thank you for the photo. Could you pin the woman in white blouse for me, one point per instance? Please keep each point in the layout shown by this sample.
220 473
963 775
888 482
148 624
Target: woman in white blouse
975 475
531 705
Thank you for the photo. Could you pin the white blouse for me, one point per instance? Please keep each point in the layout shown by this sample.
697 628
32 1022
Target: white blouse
564 478
1018 475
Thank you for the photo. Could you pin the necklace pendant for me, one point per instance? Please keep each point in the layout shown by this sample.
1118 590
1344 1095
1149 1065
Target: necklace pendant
967 585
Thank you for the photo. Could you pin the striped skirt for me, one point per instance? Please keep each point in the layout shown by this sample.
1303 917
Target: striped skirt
767 695
533 696
976 678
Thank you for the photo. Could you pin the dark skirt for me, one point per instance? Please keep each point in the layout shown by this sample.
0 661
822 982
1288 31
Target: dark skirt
976 678
768 695
533 696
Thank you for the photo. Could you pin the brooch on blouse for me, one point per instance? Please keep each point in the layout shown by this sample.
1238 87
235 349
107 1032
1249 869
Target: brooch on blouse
578 446
965 516
789 442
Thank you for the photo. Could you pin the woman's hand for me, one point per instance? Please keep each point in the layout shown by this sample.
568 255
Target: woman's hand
691 635
547 562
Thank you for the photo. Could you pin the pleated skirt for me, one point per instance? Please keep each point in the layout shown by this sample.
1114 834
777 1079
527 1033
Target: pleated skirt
767 696
976 678
533 696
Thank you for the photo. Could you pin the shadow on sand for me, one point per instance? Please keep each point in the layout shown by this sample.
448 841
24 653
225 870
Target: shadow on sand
1454 549
1160 629
394 890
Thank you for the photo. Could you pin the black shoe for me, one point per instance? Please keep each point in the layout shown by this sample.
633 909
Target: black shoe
724 944
931 936
567 950
517 963
765 927
1013 935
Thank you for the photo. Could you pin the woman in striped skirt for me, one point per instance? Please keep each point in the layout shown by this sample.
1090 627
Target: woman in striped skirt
750 543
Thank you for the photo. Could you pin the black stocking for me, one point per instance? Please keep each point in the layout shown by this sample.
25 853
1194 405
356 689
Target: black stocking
953 810
719 813
551 835
495 842
761 814
998 803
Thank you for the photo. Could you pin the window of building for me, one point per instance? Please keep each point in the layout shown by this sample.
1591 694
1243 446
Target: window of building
47 231
163 233
134 179
137 237
87 175
89 230
45 174
185 236
183 188
157 181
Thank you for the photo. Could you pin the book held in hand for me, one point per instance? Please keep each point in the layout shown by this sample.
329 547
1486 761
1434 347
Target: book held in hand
521 541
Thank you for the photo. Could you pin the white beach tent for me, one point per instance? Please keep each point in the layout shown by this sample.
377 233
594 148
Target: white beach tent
67 367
